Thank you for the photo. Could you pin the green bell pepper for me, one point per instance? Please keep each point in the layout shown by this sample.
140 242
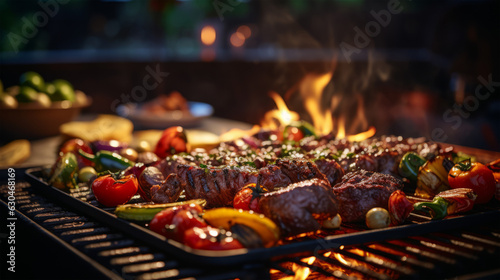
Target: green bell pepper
65 173
409 166
106 160
437 208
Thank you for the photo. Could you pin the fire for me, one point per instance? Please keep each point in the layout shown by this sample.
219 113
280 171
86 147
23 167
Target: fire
281 117
237 133
311 89
301 271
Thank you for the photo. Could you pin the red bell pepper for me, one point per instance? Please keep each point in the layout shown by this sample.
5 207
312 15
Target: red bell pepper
399 207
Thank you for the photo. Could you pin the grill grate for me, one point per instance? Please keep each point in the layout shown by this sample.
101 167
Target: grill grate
436 255
123 256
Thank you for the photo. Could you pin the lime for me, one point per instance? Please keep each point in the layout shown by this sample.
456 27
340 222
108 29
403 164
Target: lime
63 91
32 79
26 94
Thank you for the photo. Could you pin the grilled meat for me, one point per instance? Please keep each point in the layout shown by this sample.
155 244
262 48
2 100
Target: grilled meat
219 185
166 192
362 190
300 207
331 169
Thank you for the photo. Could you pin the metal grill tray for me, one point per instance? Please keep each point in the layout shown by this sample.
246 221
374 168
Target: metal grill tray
482 214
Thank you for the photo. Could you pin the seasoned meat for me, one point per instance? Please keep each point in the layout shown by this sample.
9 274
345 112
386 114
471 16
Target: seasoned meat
149 177
362 190
217 185
300 207
168 191
299 170
331 169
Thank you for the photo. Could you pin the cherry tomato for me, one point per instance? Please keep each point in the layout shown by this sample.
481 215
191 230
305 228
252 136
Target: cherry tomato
165 218
475 176
112 189
184 220
172 141
248 198
209 238
293 133
73 145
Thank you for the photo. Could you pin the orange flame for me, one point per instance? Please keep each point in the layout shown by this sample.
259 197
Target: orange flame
237 133
311 89
281 117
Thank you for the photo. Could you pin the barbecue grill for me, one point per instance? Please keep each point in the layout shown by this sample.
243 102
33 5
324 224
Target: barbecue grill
350 69
467 248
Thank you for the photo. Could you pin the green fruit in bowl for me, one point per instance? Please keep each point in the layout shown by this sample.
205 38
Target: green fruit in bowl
63 90
26 94
32 79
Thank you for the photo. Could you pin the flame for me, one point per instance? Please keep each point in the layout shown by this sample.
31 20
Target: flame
237 133
311 89
281 117
363 135
341 129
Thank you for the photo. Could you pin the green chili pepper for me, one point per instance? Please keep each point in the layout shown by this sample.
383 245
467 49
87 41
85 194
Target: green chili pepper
437 208
146 212
106 160
65 173
409 166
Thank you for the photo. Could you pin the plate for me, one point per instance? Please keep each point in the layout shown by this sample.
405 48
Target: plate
147 120
35 123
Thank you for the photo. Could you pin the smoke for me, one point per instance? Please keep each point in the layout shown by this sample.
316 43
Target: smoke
300 51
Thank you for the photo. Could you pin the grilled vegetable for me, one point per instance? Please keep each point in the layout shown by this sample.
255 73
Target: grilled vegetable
298 130
172 141
173 222
377 217
409 166
114 189
107 161
248 198
210 238
227 217
145 212
333 222
75 144
86 174
437 208
109 145
65 172
475 176
432 177
399 207
447 203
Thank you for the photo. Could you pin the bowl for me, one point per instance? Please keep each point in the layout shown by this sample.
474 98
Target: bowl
33 123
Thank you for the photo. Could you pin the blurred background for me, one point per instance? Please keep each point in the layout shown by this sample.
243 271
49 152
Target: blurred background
410 68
